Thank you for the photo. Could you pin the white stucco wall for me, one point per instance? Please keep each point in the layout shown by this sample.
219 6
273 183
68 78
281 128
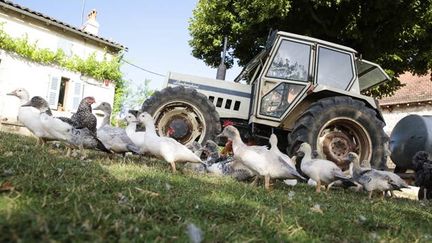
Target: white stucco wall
397 113
18 72
49 38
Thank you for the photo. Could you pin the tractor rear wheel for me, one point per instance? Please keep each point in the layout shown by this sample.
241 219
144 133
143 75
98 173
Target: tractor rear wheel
338 125
183 114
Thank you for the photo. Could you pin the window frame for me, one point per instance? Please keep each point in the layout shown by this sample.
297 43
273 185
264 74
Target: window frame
263 78
273 56
353 66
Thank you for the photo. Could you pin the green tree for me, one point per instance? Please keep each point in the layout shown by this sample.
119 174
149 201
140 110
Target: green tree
394 33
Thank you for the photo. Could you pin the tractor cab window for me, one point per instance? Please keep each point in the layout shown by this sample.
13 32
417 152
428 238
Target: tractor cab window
291 61
335 68
277 101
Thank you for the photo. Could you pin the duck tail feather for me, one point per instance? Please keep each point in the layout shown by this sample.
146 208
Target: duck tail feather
102 147
346 181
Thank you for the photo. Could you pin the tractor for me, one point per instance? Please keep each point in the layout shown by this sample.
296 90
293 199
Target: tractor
301 88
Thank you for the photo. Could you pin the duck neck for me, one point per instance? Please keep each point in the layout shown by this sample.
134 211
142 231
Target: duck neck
24 99
106 119
307 158
150 127
131 127
237 143
356 165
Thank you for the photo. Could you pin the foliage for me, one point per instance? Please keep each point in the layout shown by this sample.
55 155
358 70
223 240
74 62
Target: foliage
395 34
135 95
99 70
63 199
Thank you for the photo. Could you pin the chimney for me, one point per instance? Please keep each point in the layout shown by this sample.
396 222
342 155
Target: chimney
91 25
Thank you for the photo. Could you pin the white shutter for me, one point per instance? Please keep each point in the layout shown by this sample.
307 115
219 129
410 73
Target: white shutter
76 94
53 92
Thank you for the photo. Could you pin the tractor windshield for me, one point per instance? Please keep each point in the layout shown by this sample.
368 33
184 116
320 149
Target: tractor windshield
370 74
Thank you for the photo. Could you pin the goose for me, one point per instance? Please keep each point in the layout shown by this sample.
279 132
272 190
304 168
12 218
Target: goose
371 179
323 172
81 138
114 138
165 147
29 116
259 159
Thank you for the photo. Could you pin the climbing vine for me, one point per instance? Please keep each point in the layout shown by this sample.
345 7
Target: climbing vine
99 70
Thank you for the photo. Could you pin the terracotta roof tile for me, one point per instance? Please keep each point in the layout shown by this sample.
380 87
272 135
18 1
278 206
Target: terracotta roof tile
416 89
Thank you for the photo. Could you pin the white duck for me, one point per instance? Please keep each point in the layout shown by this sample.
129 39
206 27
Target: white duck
137 137
323 172
164 147
287 173
29 116
114 138
258 159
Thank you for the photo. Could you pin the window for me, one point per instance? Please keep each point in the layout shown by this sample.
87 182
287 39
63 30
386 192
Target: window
237 105
62 99
278 100
335 68
219 102
291 61
211 98
228 104
66 46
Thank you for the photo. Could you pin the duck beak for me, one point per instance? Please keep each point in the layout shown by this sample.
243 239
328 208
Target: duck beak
97 107
300 153
13 93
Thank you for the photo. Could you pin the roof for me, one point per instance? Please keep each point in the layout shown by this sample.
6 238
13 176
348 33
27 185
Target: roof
49 20
417 89
319 41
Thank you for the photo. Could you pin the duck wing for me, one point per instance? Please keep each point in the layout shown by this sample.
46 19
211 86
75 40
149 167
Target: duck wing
283 163
88 139
66 120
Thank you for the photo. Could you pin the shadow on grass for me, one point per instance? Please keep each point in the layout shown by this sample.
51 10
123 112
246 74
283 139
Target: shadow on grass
63 199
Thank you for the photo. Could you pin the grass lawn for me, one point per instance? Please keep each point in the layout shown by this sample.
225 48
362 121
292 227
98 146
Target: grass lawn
63 199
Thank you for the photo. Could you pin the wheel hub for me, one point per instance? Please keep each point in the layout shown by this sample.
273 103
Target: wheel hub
336 146
180 127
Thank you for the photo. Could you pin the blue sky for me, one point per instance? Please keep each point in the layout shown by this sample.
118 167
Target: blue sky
154 31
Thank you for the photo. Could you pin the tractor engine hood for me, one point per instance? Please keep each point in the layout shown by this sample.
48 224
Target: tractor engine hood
370 74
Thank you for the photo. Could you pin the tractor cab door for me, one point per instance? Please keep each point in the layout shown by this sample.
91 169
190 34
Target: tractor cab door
286 76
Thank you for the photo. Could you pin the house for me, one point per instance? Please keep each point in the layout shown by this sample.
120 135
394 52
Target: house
413 98
62 87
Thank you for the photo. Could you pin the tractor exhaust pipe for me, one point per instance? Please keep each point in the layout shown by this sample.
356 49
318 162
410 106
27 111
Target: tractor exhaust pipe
221 71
